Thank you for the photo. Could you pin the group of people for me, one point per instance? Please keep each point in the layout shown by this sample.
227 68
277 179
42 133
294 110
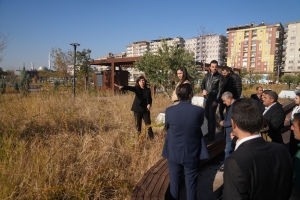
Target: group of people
257 165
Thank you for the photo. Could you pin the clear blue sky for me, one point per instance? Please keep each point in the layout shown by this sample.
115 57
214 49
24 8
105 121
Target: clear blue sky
37 26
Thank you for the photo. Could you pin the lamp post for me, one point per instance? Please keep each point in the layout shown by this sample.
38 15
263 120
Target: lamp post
74 45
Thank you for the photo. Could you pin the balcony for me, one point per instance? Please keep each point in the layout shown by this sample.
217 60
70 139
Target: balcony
283 53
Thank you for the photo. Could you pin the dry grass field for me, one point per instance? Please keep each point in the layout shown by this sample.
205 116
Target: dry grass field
53 146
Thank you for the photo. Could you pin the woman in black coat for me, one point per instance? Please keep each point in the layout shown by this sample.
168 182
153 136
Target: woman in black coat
141 104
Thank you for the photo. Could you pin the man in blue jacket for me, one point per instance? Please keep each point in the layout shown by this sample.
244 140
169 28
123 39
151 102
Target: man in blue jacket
183 143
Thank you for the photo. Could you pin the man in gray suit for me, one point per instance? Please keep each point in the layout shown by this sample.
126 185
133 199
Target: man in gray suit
257 169
184 142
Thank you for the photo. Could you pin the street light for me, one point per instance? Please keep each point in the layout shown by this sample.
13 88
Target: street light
74 45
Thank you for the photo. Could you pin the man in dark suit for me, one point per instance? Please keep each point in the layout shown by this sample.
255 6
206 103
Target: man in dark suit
274 115
257 169
183 143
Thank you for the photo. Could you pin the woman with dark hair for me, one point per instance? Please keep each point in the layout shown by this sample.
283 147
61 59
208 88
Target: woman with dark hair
141 104
183 77
294 142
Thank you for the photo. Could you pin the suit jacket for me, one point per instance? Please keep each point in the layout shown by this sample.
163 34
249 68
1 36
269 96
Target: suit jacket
142 98
227 122
183 140
275 116
258 170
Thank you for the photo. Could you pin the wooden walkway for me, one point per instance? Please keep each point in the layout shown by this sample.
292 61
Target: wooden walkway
154 185
155 182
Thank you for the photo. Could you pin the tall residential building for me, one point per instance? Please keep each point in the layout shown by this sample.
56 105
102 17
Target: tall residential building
137 48
156 44
255 46
208 47
291 47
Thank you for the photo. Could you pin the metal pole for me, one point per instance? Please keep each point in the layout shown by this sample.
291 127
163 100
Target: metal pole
74 84
278 72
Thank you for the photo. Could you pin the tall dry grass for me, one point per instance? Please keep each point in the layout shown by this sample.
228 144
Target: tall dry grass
55 147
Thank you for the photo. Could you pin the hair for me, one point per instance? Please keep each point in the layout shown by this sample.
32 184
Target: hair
297 118
184 91
247 115
298 94
227 95
259 87
214 61
226 68
185 75
273 95
138 79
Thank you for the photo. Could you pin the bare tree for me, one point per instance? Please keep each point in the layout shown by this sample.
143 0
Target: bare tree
3 43
202 33
62 61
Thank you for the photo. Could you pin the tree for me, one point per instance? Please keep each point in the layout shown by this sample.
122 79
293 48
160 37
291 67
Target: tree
2 86
24 81
62 61
3 44
83 60
288 79
160 68
256 77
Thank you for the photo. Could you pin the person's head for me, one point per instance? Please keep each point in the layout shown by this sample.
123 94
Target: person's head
297 99
184 92
213 66
182 74
141 82
226 71
246 117
227 98
259 90
296 126
269 98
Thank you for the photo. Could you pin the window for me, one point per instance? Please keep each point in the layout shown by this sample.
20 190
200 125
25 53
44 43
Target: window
258 63
290 67
291 61
292 38
298 67
292 44
298 61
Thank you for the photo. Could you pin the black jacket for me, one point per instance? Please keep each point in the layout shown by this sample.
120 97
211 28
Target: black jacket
142 98
233 84
213 84
275 116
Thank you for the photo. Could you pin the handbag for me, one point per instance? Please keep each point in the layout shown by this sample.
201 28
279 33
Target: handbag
264 131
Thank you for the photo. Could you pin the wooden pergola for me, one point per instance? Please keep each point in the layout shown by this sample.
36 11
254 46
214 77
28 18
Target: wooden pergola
116 62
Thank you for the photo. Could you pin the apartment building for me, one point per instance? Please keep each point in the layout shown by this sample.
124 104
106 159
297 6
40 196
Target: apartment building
191 45
208 47
291 48
255 46
156 44
137 48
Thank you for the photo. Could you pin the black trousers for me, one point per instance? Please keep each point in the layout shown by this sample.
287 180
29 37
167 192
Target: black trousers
138 122
210 114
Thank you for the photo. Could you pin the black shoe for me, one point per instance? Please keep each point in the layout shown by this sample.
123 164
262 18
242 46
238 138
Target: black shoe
221 169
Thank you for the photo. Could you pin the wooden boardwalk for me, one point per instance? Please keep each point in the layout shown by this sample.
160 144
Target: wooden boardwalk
154 185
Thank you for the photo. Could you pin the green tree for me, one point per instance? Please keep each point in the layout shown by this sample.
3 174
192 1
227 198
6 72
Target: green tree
62 61
256 77
83 60
160 67
288 79
24 81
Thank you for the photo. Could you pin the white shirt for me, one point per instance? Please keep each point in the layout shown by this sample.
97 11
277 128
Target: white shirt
239 142
295 110
267 108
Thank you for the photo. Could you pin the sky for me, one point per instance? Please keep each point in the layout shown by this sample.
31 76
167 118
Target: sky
36 26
